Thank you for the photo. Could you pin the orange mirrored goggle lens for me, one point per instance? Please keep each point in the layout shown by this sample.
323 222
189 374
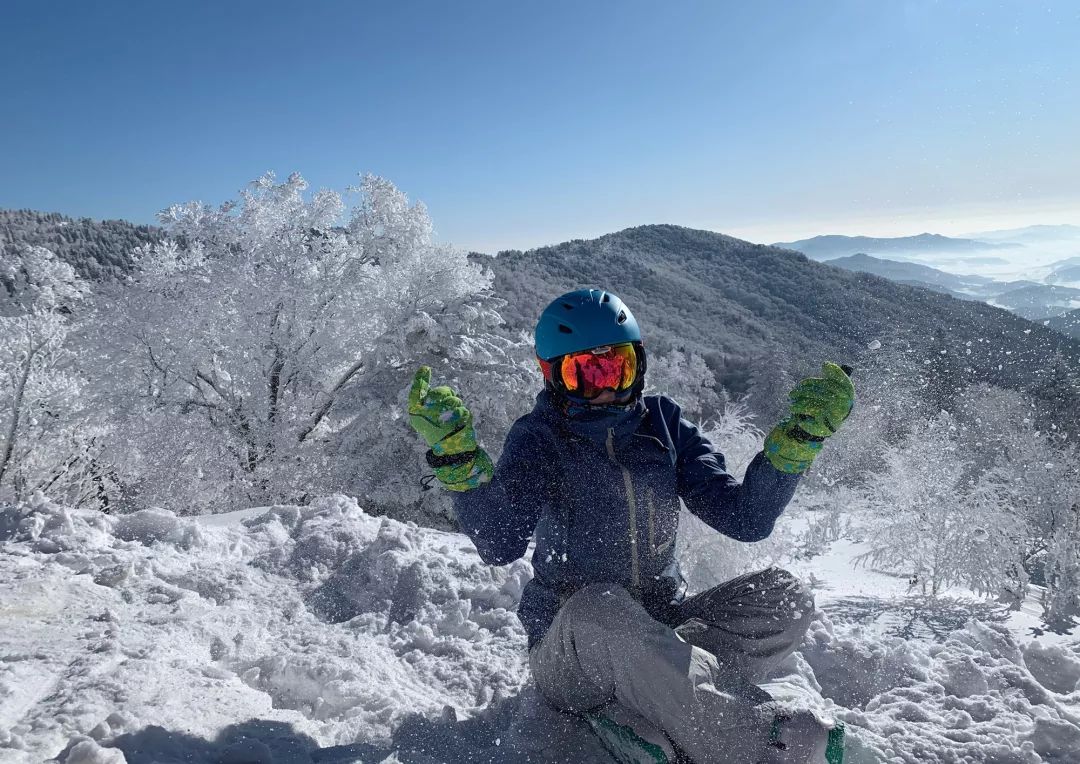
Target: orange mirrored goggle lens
590 372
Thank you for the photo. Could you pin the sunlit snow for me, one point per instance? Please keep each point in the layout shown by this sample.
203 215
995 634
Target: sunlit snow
323 634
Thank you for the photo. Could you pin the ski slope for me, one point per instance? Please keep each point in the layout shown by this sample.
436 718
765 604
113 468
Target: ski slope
323 634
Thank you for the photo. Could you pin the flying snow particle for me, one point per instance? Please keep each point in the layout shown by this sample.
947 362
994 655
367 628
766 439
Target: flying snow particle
875 345
979 534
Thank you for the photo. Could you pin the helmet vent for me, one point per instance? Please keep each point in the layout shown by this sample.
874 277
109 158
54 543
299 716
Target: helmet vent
565 329
622 317
605 298
568 306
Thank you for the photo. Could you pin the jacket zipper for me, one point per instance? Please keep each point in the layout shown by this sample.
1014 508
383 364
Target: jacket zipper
652 523
631 501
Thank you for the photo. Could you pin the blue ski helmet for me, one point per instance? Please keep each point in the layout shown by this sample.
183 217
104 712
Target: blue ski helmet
583 319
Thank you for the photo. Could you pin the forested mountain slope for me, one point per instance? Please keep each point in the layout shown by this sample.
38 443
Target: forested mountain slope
1066 324
739 302
96 249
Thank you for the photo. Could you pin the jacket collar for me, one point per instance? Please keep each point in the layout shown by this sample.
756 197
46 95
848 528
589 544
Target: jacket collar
590 423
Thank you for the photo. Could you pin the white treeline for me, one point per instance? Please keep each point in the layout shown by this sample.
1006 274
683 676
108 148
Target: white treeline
49 441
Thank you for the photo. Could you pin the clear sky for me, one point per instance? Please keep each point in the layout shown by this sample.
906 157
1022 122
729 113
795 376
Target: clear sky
524 123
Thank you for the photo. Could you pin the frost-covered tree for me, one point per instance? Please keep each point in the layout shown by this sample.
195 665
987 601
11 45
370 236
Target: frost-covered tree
771 379
1062 600
1034 472
257 332
685 377
46 443
928 519
375 456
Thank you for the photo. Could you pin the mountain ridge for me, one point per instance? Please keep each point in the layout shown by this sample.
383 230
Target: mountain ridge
831 246
899 270
738 302
1067 323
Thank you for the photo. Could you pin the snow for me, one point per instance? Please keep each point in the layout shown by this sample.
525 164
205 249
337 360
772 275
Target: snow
324 634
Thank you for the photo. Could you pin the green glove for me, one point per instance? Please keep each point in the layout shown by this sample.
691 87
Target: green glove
819 405
445 424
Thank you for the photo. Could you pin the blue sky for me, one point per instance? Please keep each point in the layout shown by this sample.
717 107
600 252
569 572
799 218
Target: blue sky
525 123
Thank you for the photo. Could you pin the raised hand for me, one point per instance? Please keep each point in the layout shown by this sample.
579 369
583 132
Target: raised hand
818 406
446 425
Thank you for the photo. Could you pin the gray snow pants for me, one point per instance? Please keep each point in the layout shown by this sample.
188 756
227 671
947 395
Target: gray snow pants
695 681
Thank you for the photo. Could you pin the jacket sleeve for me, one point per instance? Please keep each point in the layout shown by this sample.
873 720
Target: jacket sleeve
744 511
501 515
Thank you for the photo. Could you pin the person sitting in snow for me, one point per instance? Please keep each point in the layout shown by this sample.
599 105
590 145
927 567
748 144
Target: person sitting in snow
596 472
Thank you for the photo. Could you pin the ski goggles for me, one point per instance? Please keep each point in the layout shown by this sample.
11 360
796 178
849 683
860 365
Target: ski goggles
588 373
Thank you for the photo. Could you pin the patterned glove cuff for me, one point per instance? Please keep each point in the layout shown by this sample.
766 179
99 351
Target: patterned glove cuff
448 460
790 455
800 435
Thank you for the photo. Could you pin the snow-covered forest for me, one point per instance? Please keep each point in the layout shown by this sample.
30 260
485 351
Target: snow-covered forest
213 509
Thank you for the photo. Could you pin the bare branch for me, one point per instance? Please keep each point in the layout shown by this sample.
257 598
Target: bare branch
324 408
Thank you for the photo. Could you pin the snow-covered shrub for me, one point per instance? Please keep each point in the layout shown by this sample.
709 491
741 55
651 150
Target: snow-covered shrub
733 432
770 380
829 517
708 558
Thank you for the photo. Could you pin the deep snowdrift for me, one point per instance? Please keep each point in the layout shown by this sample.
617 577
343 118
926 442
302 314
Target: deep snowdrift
322 634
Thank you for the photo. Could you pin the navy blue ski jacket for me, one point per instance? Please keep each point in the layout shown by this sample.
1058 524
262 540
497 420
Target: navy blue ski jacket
601 493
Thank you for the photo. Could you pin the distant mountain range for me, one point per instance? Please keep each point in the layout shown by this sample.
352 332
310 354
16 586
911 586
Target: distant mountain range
1065 272
1034 234
834 246
1043 261
910 273
1030 299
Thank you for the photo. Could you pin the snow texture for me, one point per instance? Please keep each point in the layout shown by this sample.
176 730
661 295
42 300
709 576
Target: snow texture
323 634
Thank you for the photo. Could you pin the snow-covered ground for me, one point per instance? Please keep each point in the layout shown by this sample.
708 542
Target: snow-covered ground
322 634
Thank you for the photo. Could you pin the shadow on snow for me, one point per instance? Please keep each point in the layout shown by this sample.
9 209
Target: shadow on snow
521 729
914 617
